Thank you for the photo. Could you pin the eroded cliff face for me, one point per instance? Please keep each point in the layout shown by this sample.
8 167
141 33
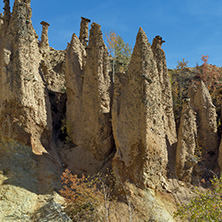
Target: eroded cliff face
88 89
187 143
198 141
127 125
25 111
207 137
137 120
166 92
29 169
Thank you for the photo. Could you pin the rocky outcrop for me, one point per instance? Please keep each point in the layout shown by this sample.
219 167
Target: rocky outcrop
220 156
75 62
27 183
137 119
24 110
88 97
207 137
7 13
44 37
166 95
187 142
52 65
84 31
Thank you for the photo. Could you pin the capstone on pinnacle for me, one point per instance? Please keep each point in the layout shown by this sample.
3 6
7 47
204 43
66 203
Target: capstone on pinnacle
44 37
84 31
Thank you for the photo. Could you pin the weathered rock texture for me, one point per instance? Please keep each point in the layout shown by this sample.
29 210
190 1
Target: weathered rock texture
52 65
52 69
84 31
44 37
27 183
220 156
75 62
166 95
7 13
24 110
88 98
187 142
137 119
207 137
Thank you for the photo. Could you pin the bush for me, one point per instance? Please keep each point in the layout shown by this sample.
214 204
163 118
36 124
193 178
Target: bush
85 197
205 206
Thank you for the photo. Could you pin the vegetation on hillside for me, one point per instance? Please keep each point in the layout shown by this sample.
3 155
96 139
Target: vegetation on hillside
87 197
119 51
205 206
182 76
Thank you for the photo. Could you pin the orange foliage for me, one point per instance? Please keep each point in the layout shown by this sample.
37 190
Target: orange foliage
83 197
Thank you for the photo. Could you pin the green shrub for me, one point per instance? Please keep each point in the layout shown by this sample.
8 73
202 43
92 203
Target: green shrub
205 206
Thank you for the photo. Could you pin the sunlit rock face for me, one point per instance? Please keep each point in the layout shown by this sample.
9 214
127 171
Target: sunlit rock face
166 92
88 94
24 111
138 120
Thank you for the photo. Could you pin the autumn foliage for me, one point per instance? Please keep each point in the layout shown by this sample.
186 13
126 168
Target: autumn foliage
183 76
84 197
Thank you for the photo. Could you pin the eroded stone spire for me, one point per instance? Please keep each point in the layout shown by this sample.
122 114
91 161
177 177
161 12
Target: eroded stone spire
44 37
28 120
138 128
187 142
207 137
7 13
166 95
84 31
88 95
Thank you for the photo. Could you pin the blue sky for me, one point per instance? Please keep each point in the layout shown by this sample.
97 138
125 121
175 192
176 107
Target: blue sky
191 28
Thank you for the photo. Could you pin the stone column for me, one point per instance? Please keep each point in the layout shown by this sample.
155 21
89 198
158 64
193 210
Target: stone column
84 31
7 13
44 37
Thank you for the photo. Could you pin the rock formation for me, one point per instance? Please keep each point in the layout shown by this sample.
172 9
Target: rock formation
220 150
84 31
166 95
187 142
137 119
207 137
127 125
24 111
44 37
220 156
75 62
88 98
7 13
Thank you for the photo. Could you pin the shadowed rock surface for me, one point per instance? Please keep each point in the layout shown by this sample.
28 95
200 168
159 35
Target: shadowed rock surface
206 117
187 142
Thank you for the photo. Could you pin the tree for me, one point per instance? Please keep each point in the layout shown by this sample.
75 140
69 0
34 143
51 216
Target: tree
182 64
120 52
